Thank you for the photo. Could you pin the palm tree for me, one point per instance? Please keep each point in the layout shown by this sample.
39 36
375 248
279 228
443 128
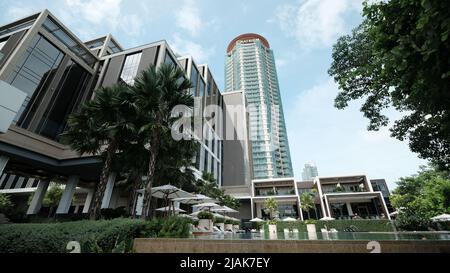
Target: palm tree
154 94
99 128
271 206
307 202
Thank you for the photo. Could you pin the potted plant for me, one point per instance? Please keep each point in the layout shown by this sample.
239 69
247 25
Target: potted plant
236 225
271 206
205 220
5 206
228 225
219 222
310 226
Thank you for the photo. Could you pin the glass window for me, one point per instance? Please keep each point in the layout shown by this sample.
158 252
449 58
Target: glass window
194 80
113 47
168 59
3 42
94 44
130 68
35 70
15 28
202 88
65 100
71 44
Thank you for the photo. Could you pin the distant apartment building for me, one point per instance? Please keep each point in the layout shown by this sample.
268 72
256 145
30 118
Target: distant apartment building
309 171
46 73
339 197
250 67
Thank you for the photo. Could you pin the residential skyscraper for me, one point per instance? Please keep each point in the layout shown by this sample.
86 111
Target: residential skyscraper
250 67
309 171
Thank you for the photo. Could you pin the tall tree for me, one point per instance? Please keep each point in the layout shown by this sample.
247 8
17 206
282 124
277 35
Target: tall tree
307 202
208 186
154 95
99 128
400 57
419 197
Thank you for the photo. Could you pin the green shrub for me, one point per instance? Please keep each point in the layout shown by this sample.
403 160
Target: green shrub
361 225
205 215
5 203
219 220
174 227
93 236
229 222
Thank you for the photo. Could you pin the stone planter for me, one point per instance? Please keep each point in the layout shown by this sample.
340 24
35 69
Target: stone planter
220 225
272 229
311 228
228 227
312 234
235 228
205 224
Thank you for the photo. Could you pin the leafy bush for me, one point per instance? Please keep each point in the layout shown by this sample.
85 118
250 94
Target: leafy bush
205 215
5 203
100 236
93 236
229 222
219 220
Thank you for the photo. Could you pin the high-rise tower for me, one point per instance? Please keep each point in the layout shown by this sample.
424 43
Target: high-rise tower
250 67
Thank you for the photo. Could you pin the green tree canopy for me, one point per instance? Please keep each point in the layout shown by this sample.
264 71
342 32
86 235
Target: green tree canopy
400 57
208 186
421 197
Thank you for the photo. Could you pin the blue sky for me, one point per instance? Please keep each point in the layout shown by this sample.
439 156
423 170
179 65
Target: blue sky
301 33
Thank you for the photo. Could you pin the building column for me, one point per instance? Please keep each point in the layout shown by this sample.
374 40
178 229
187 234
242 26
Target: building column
252 207
383 205
108 190
3 162
38 197
349 209
88 201
66 198
327 206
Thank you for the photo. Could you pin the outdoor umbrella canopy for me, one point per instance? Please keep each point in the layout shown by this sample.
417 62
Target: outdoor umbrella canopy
196 199
289 219
256 220
187 216
214 214
224 209
441 218
208 205
169 191
166 209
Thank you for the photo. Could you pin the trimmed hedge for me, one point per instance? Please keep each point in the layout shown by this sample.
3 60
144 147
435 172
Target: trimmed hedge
115 235
93 236
341 225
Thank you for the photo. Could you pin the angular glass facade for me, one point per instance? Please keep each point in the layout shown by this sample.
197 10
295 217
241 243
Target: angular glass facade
250 66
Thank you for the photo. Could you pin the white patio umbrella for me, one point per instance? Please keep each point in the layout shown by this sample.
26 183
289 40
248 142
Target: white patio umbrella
214 214
289 219
195 199
441 218
256 219
207 205
224 209
326 218
166 209
168 191
187 216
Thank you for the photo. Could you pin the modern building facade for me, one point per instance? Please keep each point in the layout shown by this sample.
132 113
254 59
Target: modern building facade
52 72
309 171
339 197
250 67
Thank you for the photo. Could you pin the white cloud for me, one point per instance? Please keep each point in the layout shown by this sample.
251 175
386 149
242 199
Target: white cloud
187 47
96 11
188 17
337 140
315 23
15 13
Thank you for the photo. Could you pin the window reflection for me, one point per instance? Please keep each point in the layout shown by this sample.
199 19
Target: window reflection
35 70
130 68
65 100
